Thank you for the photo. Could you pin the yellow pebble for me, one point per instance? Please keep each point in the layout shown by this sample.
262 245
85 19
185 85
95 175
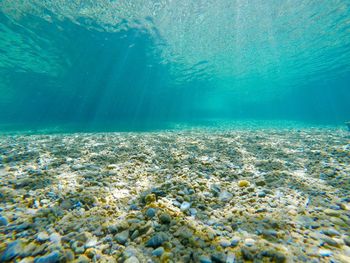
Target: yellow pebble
243 183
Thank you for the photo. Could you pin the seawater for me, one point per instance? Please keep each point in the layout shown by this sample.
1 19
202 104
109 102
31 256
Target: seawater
144 65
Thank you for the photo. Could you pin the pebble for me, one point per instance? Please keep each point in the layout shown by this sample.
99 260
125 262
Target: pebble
157 240
231 258
12 250
83 259
249 242
243 183
53 257
225 196
55 238
151 212
185 206
325 252
235 241
347 241
204 259
132 259
122 237
331 232
42 237
224 243
158 252
165 218
261 194
3 221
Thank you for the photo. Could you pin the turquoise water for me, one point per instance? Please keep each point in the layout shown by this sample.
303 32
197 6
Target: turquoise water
143 65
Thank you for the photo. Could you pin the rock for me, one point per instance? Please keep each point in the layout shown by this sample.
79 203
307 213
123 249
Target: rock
331 232
218 257
249 242
83 259
330 241
247 253
12 250
122 237
204 259
158 252
42 237
260 183
68 255
193 211
83 237
224 242
3 221
225 196
331 212
261 194
231 258
132 259
325 252
150 198
151 212
165 218
185 206
91 243
243 183
55 238
276 256
157 240
235 241
347 241
53 257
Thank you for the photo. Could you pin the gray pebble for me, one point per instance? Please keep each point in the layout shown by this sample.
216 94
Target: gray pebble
53 257
151 212
158 252
185 206
122 237
13 250
204 259
157 240
3 221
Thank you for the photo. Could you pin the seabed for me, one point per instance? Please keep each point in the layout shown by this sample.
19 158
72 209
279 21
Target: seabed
250 195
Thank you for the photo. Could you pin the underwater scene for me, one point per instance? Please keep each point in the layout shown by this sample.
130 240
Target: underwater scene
146 131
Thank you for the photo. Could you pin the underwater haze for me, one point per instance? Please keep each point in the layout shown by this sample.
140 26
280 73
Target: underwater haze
144 64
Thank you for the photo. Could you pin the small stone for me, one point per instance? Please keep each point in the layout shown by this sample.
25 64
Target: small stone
224 243
53 257
55 238
165 218
231 258
332 212
185 206
260 183
325 252
132 259
83 259
331 232
42 237
151 212
91 242
68 255
158 252
235 241
243 183
249 242
150 198
122 237
157 240
12 250
204 259
3 221
261 194
330 241
347 241
225 196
